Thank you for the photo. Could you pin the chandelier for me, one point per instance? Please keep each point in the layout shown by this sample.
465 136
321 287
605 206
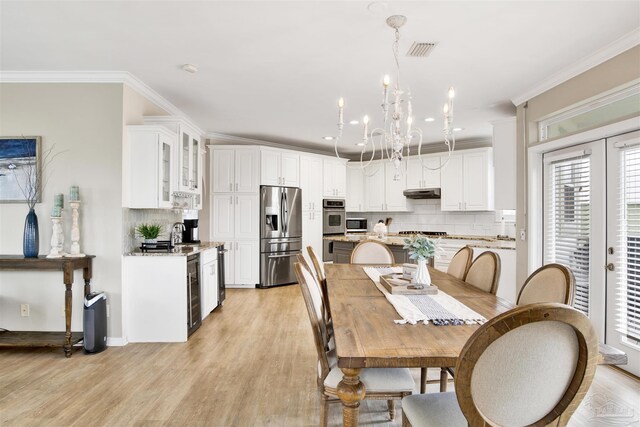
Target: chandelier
395 136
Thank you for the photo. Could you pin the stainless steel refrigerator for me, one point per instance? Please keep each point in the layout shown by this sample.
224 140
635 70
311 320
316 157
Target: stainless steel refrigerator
280 234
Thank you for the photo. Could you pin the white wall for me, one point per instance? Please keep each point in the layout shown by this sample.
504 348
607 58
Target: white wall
427 216
84 121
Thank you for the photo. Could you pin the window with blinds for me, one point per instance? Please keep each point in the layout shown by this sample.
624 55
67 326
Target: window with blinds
567 225
628 276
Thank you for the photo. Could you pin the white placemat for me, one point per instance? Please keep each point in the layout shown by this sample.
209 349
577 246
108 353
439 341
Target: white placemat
440 309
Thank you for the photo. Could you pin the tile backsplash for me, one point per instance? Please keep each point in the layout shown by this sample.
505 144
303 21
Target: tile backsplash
427 216
134 217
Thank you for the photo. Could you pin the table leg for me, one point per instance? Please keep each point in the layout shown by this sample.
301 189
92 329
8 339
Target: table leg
350 391
67 318
86 275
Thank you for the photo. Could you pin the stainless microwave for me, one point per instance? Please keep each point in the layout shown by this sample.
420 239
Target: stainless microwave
356 225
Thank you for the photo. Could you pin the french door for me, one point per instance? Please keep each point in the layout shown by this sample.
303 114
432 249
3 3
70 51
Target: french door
623 247
591 223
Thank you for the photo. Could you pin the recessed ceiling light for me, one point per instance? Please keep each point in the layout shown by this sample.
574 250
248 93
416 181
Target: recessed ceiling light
361 144
354 122
457 129
327 138
190 68
429 119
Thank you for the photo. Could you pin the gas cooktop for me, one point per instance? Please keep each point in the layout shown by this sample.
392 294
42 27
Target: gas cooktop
426 233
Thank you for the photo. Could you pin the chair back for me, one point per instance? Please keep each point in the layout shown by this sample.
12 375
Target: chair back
313 300
322 280
549 283
460 263
484 272
371 252
529 366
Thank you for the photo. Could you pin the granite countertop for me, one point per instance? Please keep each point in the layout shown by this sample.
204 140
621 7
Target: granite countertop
179 250
398 240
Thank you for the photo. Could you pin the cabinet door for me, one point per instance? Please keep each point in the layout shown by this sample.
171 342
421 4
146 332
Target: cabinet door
310 182
340 171
374 187
196 172
431 177
270 168
247 166
414 173
246 216
476 181
247 263
209 287
452 184
229 262
394 199
185 159
166 175
222 219
222 173
290 169
355 188
328 187
312 231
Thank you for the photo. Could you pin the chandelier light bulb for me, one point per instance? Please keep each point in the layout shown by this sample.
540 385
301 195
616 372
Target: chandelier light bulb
445 109
340 102
386 80
365 120
452 93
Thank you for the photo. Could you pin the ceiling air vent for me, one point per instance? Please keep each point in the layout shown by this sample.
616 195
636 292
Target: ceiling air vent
420 50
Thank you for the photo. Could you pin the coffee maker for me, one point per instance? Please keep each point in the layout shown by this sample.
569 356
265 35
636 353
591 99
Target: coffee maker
190 232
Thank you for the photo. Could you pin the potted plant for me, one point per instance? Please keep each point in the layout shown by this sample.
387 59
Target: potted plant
149 232
421 248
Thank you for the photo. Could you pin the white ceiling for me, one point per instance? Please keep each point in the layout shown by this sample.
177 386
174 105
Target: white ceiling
273 70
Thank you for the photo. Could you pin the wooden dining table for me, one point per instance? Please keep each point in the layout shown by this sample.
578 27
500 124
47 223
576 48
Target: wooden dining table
367 337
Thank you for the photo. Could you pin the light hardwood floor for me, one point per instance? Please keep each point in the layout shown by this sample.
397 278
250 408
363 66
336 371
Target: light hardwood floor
252 363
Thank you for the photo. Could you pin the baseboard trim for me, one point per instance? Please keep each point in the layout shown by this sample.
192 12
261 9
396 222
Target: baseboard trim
116 342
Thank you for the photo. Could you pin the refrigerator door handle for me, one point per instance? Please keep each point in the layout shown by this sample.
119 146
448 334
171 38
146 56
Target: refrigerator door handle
286 212
282 211
282 256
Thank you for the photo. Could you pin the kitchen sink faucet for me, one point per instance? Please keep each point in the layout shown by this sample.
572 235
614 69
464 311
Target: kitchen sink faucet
175 236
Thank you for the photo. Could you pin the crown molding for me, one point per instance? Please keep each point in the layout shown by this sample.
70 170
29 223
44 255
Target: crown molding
614 48
224 139
123 77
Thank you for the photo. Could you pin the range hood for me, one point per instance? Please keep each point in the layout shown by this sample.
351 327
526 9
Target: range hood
422 193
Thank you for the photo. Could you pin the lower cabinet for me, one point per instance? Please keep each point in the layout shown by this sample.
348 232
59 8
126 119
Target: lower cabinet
208 281
242 263
342 253
156 297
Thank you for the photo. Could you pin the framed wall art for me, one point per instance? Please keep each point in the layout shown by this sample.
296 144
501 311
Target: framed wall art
20 169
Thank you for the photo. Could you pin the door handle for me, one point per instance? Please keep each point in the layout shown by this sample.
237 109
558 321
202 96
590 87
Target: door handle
189 296
282 256
610 267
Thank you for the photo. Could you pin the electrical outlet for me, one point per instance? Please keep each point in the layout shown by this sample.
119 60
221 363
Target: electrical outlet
523 234
24 310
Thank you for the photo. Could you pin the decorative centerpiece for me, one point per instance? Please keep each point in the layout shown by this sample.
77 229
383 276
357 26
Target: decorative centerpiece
149 232
421 248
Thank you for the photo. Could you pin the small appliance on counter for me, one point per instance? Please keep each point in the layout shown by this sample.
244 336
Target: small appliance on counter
190 232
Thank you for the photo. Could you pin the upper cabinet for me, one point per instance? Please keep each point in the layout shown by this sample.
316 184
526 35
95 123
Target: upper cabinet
355 188
334 178
310 183
504 154
188 155
381 192
423 173
149 167
279 167
235 170
467 181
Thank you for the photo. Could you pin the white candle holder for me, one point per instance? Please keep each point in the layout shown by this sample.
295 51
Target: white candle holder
74 252
55 238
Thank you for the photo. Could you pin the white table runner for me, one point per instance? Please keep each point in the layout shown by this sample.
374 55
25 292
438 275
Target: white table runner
440 309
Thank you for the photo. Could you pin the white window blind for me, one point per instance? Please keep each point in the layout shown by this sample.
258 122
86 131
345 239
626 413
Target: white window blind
567 225
628 265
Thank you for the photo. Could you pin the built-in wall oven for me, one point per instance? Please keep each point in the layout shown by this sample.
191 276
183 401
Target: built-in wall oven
333 223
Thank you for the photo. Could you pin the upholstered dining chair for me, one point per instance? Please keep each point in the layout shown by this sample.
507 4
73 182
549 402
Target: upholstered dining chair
371 252
460 263
546 355
380 383
484 272
549 283
322 280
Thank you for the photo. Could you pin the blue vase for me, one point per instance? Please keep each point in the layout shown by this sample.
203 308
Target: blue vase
30 239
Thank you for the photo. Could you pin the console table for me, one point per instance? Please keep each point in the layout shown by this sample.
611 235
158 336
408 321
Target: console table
67 266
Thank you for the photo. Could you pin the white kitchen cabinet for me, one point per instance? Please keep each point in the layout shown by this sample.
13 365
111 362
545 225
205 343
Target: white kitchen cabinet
208 281
418 176
310 182
334 178
504 155
381 192
242 263
235 216
188 155
355 188
235 170
149 169
467 181
222 217
312 231
279 167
